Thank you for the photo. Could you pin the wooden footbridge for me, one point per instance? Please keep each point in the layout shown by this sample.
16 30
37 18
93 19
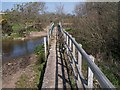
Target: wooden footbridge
65 63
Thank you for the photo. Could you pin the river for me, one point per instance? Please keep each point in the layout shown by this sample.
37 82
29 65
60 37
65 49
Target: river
18 48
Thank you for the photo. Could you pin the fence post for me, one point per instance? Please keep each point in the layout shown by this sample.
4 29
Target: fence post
74 49
45 47
90 75
50 32
79 67
48 39
70 42
80 60
67 42
73 55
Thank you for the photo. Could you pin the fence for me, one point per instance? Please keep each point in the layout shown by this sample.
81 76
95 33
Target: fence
47 40
76 63
71 45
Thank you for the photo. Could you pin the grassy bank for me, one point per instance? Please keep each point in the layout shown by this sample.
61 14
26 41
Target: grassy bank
33 79
20 31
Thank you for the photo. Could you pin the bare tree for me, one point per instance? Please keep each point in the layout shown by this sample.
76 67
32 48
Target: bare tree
80 9
59 9
26 12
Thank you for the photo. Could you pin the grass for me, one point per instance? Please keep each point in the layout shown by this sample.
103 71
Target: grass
110 74
37 69
84 68
39 51
32 29
37 74
18 30
29 81
6 38
73 85
69 30
26 81
22 82
12 36
17 27
15 35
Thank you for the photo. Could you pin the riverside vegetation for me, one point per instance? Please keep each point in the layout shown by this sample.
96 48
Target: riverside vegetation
20 20
38 69
96 28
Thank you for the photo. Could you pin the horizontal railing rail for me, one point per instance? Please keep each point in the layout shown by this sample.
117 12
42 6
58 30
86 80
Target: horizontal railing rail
102 79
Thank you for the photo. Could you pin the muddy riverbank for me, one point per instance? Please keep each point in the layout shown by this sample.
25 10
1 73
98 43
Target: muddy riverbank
12 70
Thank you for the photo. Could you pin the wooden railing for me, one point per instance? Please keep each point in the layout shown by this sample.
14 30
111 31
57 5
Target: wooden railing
47 39
76 63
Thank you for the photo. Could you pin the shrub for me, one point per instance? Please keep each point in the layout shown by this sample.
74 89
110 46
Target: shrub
39 51
6 27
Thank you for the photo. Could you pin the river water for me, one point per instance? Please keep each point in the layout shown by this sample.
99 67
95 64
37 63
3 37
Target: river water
18 48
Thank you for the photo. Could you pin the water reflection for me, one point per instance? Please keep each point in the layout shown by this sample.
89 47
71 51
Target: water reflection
17 48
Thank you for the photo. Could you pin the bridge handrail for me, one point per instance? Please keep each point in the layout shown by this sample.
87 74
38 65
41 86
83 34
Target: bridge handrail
103 80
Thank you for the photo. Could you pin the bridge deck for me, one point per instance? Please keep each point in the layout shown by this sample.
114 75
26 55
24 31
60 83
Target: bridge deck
60 75
56 72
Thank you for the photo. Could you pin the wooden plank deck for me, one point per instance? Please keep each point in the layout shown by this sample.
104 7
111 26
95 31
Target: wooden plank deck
56 73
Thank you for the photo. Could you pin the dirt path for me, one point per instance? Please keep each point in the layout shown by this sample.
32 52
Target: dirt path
14 69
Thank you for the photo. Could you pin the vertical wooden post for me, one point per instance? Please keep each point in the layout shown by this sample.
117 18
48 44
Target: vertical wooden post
90 75
80 60
48 39
67 42
74 49
64 37
50 33
73 55
45 47
79 67
70 43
